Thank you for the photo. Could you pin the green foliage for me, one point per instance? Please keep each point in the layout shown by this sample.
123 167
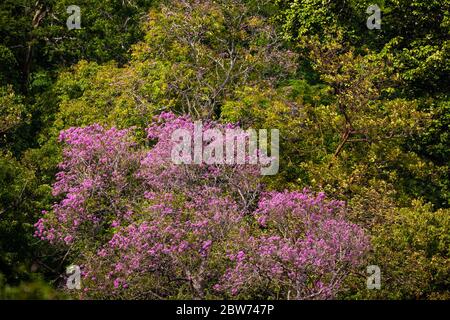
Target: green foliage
192 60
21 200
104 94
35 35
204 53
412 248
36 289
12 111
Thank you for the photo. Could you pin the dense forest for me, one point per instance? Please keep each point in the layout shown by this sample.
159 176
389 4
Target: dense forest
86 177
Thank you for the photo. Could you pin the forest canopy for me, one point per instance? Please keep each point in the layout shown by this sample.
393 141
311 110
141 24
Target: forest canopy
86 177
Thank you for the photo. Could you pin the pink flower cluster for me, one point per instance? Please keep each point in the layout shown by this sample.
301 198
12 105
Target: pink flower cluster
306 248
144 227
161 174
94 181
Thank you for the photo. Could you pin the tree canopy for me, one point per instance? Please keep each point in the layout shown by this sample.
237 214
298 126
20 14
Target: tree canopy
86 117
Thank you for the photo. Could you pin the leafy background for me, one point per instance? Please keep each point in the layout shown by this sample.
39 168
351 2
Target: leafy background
363 114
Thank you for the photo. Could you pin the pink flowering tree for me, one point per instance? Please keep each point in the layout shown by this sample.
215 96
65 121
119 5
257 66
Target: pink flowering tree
302 248
96 184
142 227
